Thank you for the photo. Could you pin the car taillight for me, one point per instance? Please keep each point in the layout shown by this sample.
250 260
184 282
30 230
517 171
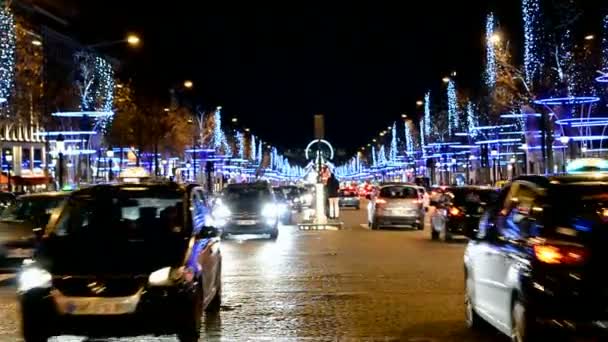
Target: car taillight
454 211
553 254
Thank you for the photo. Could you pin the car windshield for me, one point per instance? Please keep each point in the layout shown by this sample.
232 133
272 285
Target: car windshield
290 192
402 192
347 193
30 208
246 193
124 213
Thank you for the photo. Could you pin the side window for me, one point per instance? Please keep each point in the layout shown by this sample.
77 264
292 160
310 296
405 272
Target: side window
516 213
198 213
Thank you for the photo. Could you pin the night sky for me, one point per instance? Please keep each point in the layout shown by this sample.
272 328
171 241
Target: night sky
275 66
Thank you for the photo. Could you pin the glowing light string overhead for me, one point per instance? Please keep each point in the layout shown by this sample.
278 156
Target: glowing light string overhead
453 118
7 52
490 73
531 18
393 151
427 114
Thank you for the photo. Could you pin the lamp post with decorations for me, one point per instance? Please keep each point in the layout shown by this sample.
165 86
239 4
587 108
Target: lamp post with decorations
60 145
9 161
109 157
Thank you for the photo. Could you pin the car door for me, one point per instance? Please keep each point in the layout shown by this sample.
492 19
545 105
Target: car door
206 246
482 254
513 228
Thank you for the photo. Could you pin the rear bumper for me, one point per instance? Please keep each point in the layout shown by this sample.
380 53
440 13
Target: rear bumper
399 221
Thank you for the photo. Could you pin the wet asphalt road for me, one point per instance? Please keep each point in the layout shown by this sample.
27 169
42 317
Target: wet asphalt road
349 285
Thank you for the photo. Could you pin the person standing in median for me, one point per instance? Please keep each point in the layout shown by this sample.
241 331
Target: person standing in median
333 187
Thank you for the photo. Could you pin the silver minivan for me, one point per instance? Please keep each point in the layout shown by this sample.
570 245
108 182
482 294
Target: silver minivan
396 206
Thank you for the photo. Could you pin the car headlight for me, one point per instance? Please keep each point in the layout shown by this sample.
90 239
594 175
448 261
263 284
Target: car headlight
167 276
221 212
33 278
270 210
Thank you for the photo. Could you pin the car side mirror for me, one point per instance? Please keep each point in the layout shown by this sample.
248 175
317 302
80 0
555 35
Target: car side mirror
208 232
38 233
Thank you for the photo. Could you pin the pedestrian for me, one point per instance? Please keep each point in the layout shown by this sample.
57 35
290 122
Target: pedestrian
333 186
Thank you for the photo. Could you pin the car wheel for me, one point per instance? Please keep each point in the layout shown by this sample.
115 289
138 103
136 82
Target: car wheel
33 327
472 319
523 328
274 234
190 325
216 303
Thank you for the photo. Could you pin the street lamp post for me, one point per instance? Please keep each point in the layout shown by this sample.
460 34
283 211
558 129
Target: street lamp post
60 144
494 154
109 156
564 140
9 161
131 39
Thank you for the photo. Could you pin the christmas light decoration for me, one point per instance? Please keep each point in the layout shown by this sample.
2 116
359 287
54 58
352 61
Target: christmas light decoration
240 140
260 153
409 141
374 159
531 18
472 119
422 139
570 100
253 147
382 156
104 74
490 73
605 44
219 139
453 116
7 52
427 114
393 151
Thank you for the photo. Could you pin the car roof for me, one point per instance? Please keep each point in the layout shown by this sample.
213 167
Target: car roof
101 188
575 179
387 185
48 194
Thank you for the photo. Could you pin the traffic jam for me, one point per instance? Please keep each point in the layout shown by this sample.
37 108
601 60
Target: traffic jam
145 254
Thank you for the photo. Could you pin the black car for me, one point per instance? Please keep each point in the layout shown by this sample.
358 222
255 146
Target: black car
6 199
539 259
293 194
123 260
284 205
458 210
348 199
247 208
18 225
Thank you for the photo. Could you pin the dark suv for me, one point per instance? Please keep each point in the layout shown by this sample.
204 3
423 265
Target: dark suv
539 258
123 260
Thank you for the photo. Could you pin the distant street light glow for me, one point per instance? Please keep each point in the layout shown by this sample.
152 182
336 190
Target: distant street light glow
188 84
133 40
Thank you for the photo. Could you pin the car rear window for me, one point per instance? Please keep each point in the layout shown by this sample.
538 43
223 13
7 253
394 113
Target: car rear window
404 192
473 196
347 193
570 201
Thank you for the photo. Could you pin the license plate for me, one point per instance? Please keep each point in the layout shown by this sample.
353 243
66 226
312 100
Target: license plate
245 222
99 307
20 253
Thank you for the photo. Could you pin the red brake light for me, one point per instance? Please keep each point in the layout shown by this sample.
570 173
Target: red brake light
568 255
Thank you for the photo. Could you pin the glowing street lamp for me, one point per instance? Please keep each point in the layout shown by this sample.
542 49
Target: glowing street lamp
589 37
188 84
133 40
419 103
495 38
446 80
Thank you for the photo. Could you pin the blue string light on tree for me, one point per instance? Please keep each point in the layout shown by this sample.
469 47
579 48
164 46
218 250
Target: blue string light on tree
382 156
409 140
260 153
472 119
104 74
240 139
490 73
531 18
253 147
7 53
422 139
374 159
453 116
427 114
393 151
219 139
605 44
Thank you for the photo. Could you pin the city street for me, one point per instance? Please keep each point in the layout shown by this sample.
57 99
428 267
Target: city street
354 285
